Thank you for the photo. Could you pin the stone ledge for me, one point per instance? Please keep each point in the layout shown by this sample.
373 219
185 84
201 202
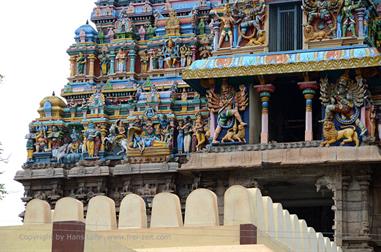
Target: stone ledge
124 169
282 157
28 174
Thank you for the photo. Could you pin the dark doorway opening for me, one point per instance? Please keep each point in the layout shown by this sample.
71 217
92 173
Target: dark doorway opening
319 217
286 112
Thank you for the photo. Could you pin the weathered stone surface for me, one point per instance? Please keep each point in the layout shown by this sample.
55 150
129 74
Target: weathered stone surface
312 240
257 202
291 156
278 221
132 212
268 214
238 207
81 171
166 211
288 236
37 212
68 209
101 214
304 236
201 209
40 173
296 233
320 242
124 169
327 244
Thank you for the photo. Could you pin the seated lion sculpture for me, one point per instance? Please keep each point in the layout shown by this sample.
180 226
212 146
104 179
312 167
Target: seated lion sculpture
331 135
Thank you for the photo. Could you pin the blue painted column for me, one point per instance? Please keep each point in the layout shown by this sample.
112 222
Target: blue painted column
132 55
112 62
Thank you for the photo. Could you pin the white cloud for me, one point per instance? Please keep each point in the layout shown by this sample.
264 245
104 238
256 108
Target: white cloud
33 59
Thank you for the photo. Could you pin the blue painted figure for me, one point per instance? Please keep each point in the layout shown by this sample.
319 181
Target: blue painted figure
180 137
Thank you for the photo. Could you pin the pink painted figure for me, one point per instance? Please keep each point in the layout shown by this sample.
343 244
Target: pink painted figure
142 32
110 34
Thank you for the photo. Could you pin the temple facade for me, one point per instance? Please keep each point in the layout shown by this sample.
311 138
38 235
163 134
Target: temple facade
171 96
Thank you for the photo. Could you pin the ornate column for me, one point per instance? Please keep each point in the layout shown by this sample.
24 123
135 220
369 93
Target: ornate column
364 182
112 62
132 55
360 19
338 185
72 66
265 94
216 29
91 68
309 89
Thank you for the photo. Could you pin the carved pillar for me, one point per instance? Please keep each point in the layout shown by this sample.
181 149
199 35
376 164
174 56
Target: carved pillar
360 20
103 130
91 68
309 89
265 94
344 190
112 62
364 181
335 185
216 29
132 55
72 66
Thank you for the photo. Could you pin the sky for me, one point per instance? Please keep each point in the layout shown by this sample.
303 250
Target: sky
33 42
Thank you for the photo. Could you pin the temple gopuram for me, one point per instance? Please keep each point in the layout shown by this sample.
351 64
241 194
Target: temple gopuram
171 96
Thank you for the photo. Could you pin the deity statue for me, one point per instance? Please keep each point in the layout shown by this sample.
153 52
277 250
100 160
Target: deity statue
321 18
104 61
189 56
349 20
41 140
118 137
160 56
121 57
227 25
150 31
97 102
199 131
342 103
171 53
227 105
92 139
55 137
144 58
101 36
201 26
172 26
142 32
205 49
253 17
74 146
154 59
183 57
143 137
30 137
188 132
110 34
180 137
81 63
164 128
